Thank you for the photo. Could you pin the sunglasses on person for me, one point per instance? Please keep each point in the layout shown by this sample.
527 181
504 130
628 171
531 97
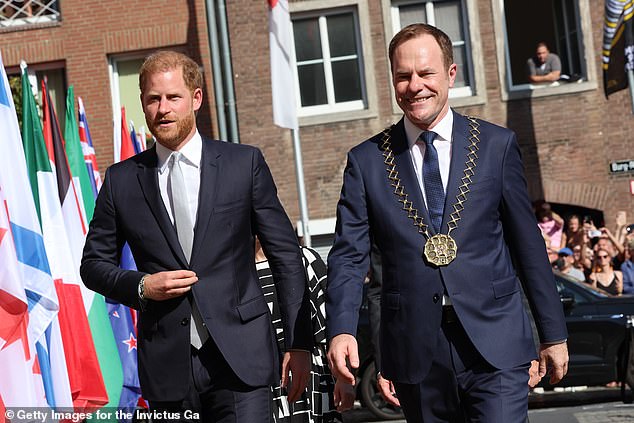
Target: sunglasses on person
603 256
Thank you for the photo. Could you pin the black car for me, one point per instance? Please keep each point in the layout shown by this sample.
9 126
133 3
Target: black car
598 332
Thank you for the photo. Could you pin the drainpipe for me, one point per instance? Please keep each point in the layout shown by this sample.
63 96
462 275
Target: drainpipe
229 91
214 48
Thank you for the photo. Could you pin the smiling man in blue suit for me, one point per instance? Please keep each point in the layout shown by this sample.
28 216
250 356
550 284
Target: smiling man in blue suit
444 198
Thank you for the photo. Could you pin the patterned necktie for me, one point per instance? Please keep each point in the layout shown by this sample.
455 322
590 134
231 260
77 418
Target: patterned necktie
434 192
185 232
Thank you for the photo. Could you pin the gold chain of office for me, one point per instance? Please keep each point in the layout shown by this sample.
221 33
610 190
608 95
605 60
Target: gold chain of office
440 249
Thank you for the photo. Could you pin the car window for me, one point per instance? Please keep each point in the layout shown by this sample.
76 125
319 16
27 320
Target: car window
580 291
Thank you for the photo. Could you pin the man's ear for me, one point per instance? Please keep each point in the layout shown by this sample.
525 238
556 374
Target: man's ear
197 97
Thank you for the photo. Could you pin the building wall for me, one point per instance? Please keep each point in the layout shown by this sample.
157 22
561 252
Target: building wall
90 31
567 140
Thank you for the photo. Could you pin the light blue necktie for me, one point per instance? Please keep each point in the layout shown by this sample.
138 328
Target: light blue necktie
185 231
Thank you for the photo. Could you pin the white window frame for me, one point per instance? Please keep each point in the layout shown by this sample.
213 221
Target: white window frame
471 95
510 91
327 60
466 91
349 110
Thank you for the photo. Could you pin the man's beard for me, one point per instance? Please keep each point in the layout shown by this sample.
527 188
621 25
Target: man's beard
170 138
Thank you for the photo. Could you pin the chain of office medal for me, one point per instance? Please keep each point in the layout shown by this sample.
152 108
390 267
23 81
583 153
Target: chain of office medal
440 249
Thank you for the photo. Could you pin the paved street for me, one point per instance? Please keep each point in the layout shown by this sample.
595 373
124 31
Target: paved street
592 405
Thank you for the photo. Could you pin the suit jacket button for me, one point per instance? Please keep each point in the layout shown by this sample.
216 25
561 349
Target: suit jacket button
436 298
185 321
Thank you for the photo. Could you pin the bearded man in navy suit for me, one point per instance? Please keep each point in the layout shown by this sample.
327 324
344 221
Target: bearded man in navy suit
190 209
444 198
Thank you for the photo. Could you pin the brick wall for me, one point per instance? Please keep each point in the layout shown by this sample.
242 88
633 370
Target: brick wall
567 140
90 31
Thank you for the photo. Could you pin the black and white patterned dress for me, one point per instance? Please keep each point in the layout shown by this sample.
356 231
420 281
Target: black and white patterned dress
316 405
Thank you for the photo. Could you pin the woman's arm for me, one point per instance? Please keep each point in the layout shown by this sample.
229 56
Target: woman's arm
619 281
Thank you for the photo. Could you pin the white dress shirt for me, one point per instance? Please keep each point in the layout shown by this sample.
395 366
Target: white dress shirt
190 166
442 142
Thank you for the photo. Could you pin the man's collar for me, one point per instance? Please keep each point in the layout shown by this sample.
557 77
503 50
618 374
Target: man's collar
444 129
191 151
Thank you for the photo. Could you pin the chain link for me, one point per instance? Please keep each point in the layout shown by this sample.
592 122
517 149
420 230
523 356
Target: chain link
463 189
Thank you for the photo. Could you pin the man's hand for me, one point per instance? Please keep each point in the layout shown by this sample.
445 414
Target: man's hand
386 388
170 284
533 374
295 373
554 356
344 396
342 347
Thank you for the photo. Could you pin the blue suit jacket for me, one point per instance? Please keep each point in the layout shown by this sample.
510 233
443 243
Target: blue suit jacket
496 230
237 200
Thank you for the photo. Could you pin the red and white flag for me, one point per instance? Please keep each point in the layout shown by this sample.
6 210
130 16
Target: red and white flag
282 78
17 386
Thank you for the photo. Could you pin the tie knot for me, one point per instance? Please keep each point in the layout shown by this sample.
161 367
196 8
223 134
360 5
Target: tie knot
175 157
427 136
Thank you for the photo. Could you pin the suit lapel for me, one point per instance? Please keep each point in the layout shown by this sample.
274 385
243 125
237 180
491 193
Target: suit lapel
406 172
459 151
148 179
208 181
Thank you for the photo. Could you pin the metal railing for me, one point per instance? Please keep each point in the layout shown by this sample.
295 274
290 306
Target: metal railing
15 13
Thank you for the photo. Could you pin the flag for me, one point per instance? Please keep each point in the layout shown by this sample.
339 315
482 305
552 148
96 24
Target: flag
124 326
136 141
89 152
98 320
127 144
50 350
122 318
69 232
17 385
618 44
33 265
282 79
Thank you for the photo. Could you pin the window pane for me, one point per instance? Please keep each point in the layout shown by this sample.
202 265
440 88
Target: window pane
449 19
312 84
345 75
559 27
341 35
460 59
128 71
414 13
307 39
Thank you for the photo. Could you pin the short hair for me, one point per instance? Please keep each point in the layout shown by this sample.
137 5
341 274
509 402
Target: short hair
167 60
417 30
542 44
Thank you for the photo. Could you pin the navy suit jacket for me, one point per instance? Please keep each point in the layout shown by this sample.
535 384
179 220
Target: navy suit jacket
497 238
237 200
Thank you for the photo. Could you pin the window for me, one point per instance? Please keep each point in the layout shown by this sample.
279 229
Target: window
450 17
124 87
555 22
14 13
55 76
329 62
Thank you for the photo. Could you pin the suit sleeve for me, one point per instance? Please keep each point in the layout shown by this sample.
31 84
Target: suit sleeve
527 247
348 261
278 239
102 253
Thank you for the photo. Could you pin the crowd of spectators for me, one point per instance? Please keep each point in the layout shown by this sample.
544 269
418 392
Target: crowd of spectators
595 255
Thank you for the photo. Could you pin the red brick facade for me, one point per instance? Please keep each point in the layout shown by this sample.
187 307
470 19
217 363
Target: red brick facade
568 140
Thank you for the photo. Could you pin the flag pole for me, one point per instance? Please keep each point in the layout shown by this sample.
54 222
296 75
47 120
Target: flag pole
301 188
630 80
